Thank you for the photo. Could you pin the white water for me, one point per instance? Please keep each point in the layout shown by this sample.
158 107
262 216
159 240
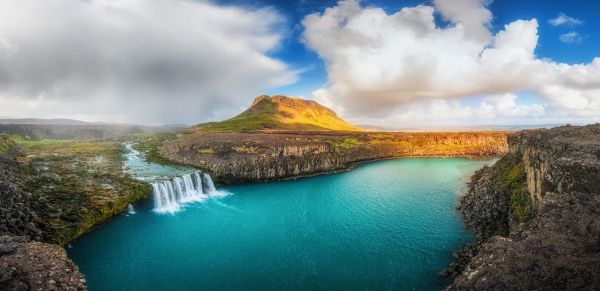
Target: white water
130 209
170 195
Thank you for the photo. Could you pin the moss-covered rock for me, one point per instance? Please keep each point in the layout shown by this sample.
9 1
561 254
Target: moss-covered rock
77 185
545 193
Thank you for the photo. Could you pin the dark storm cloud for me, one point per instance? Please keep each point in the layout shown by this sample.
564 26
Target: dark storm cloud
138 61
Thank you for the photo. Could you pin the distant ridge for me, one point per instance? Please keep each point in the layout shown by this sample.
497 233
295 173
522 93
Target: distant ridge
42 121
278 112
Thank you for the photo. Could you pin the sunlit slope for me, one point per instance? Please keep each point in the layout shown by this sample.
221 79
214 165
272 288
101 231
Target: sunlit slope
283 113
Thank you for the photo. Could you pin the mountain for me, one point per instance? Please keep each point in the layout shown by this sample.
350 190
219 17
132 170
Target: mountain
54 121
283 113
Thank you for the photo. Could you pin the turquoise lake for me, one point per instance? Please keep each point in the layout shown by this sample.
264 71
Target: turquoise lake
388 225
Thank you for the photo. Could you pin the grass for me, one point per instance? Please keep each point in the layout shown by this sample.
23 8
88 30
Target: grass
347 143
75 184
149 145
266 115
258 117
512 182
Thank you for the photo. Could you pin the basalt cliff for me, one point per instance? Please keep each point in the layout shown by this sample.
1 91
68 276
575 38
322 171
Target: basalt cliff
250 157
259 145
52 192
536 215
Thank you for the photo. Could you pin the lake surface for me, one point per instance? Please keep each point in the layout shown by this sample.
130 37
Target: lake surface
388 225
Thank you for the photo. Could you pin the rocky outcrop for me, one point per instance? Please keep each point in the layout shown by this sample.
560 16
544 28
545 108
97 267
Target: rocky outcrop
77 185
16 216
24 263
536 215
36 266
250 157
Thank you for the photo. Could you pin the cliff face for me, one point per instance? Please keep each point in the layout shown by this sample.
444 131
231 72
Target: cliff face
24 263
249 157
36 266
16 216
536 215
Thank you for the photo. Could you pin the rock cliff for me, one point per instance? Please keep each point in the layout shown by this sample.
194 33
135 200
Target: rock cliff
28 265
24 263
250 157
536 215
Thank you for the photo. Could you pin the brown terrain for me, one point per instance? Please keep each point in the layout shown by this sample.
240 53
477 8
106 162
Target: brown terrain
258 144
250 157
536 215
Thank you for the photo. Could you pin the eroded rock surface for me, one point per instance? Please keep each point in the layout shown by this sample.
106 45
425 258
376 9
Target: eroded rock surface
548 239
260 156
36 266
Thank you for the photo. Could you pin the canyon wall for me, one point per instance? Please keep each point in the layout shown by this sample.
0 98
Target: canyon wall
26 264
250 157
536 215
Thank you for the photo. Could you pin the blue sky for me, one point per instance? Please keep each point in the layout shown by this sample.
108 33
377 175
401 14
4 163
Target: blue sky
390 64
295 53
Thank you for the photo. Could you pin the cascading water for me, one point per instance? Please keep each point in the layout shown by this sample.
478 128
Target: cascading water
169 195
210 186
130 209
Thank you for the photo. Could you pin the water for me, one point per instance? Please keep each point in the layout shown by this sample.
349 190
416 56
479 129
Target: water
169 195
388 225
143 170
130 209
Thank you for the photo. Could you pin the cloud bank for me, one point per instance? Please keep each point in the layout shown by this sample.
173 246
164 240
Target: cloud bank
387 65
140 61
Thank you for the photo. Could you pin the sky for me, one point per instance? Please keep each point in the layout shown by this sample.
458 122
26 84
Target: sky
389 64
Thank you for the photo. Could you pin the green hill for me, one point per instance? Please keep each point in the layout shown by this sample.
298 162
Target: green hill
282 113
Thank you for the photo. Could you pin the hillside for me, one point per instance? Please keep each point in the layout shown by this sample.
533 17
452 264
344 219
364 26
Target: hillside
282 113
53 121
76 131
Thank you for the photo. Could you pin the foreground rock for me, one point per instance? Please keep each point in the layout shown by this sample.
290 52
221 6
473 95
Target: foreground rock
36 266
536 215
76 185
51 192
262 156
16 216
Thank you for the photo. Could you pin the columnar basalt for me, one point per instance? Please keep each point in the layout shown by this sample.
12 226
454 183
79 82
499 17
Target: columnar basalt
251 157
547 237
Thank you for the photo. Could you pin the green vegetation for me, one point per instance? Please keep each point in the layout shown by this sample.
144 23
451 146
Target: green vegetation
258 117
149 145
347 143
75 184
5 144
513 183
281 113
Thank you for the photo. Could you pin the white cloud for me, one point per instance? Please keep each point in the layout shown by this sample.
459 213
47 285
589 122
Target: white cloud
471 15
135 60
378 63
492 110
571 37
563 19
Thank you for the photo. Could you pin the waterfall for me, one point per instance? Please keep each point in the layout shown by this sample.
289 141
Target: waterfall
130 209
169 195
210 186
